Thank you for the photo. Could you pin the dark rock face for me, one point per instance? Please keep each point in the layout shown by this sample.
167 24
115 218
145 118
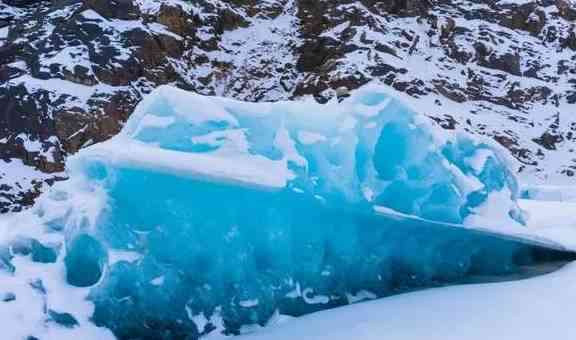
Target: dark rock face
402 7
21 3
71 72
114 9
567 9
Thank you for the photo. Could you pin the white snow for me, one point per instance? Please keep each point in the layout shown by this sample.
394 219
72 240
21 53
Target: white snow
550 214
4 32
306 137
477 162
158 281
249 303
27 314
550 192
20 177
533 309
249 170
489 213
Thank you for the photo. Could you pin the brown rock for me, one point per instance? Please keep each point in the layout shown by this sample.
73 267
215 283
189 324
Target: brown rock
120 73
175 19
570 40
567 9
118 9
402 7
80 75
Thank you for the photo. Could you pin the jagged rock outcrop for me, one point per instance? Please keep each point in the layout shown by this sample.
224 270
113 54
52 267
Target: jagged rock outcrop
567 9
72 71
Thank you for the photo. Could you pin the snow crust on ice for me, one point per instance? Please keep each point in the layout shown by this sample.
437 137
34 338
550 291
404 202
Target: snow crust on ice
368 149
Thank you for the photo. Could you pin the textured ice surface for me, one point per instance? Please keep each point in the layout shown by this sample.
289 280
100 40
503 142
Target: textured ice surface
369 150
209 215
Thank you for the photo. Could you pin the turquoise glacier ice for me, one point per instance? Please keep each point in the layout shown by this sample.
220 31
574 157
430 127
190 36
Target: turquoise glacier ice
208 214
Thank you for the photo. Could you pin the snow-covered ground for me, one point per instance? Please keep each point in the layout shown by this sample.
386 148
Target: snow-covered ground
550 214
532 309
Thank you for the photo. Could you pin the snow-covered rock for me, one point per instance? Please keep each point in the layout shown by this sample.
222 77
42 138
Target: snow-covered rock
73 71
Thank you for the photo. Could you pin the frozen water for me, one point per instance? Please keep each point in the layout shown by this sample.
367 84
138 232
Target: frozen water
246 210
207 214
369 150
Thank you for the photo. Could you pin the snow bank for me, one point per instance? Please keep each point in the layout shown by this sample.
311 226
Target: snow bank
559 193
534 309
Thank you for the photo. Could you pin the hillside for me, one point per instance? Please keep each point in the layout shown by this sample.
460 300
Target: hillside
72 71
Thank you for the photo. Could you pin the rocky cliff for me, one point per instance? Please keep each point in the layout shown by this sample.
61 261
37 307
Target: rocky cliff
71 71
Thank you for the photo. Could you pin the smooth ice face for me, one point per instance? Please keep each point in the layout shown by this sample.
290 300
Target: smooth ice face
210 214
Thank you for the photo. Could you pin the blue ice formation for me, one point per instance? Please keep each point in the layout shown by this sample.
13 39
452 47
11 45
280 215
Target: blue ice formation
236 212
370 150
